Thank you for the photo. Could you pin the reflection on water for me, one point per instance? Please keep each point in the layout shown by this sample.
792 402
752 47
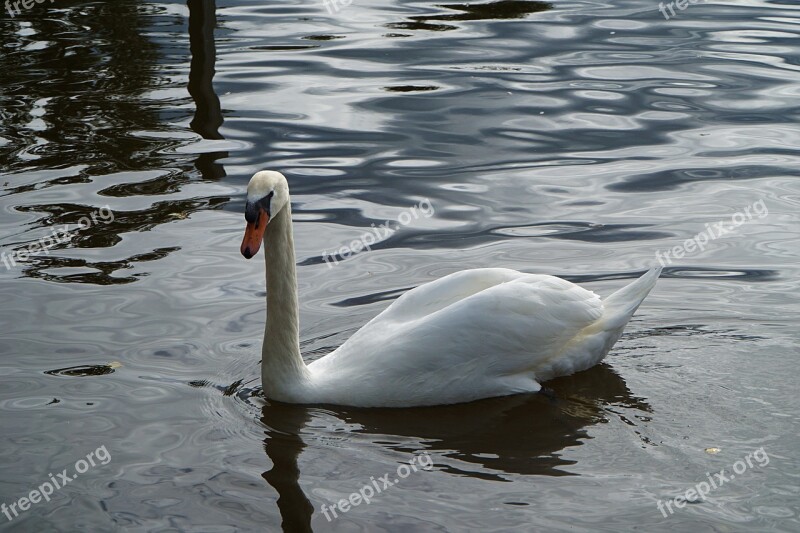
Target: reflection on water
522 434
503 9
575 139
283 445
81 115
208 113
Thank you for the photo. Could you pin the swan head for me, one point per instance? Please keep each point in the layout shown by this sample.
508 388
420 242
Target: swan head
267 194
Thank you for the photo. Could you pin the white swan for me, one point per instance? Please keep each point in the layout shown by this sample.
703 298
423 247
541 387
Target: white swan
473 334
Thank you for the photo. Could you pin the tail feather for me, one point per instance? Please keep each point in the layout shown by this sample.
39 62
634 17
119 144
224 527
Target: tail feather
620 306
592 344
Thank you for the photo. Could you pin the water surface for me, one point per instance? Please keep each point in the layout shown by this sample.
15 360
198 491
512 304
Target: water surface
574 138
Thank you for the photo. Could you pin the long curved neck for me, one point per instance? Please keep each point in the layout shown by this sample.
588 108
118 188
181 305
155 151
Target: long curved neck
282 367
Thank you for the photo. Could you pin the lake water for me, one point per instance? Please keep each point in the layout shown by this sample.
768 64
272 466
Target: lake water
577 138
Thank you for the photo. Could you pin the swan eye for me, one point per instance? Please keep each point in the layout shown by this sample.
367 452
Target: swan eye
264 202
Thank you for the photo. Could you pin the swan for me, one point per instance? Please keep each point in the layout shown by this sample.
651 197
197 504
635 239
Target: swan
473 334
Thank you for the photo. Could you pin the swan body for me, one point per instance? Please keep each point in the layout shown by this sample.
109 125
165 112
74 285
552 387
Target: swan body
473 334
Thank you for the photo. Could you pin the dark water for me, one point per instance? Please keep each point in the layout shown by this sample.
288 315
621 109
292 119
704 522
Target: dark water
575 138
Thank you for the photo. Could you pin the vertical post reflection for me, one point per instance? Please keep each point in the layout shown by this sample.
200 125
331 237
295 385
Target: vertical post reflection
208 112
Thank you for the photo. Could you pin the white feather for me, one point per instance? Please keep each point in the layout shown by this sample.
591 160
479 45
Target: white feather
473 334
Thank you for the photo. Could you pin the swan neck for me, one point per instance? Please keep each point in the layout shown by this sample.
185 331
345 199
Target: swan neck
282 367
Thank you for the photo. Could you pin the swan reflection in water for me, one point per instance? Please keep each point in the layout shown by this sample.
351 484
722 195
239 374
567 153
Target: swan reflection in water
522 434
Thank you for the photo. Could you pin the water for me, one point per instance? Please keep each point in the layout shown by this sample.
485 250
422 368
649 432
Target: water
575 138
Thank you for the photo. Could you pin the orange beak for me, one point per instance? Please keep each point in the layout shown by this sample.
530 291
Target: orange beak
254 234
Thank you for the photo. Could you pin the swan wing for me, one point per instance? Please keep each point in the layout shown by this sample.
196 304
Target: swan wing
472 334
